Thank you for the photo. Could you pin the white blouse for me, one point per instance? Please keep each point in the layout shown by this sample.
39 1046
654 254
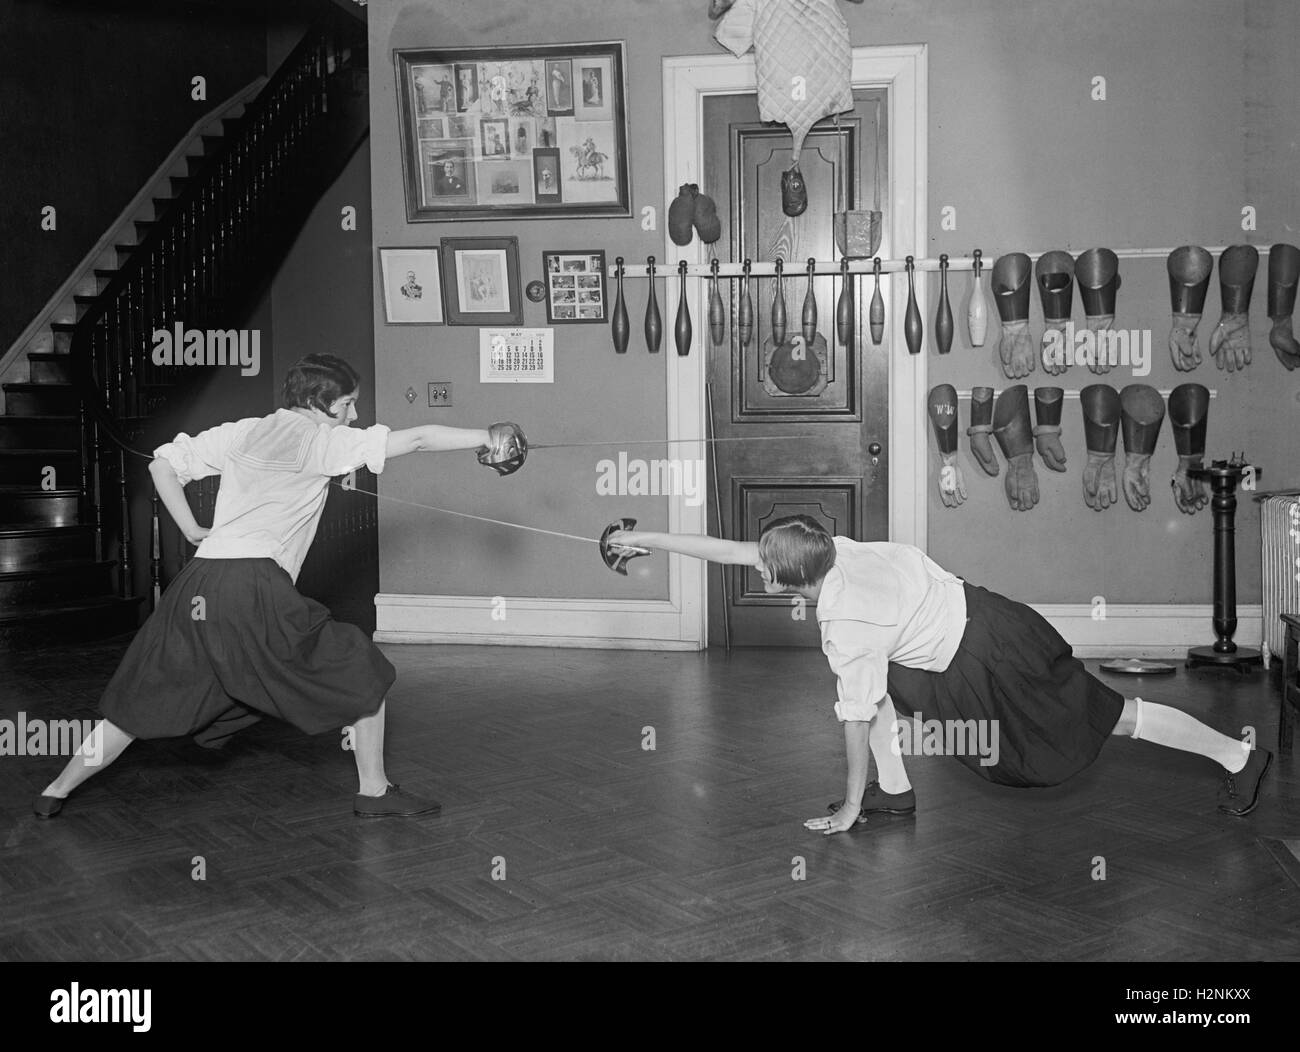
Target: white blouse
275 473
884 602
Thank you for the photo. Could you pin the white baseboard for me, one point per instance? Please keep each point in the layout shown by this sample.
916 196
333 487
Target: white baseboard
1136 630
1146 630
604 624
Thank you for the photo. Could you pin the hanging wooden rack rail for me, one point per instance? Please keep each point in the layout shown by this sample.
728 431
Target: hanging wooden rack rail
794 268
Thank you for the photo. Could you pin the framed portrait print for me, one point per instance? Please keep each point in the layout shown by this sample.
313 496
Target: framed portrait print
481 281
575 286
412 282
556 112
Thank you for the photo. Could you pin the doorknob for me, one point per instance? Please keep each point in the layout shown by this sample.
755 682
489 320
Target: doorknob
874 450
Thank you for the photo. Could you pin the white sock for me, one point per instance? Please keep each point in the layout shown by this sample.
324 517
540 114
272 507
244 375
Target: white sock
1175 729
882 738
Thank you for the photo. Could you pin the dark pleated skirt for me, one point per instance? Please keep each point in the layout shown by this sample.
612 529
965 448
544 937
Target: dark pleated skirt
259 649
1052 716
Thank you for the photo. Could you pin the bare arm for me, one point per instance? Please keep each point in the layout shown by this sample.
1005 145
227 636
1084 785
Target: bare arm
856 733
434 438
714 549
172 494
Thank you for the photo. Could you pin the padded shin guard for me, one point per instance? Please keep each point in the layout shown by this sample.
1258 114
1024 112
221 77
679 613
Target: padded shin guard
1101 413
1014 433
1143 411
981 426
1048 402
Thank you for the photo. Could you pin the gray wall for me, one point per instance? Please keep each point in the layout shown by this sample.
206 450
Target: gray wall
1198 123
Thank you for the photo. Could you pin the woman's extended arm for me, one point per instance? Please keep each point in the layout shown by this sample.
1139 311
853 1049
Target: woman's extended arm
172 494
714 549
435 438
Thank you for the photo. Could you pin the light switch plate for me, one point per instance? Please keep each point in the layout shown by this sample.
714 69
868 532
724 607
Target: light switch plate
439 394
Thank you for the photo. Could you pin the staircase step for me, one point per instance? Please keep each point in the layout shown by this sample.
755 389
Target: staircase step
38 507
41 432
23 546
41 625
41 399
26 467
47 367
55 582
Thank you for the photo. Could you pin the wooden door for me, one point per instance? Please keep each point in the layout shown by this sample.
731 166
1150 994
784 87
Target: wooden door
815 420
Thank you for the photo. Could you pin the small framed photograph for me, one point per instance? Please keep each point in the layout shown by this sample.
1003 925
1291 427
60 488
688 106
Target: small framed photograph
447 170
575 285
591 97
546 175
412 283
467 89
559 87
435 90
494 136
505 182
481 281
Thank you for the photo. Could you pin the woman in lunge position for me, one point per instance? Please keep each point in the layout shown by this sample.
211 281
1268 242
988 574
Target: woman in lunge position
232 639
896 627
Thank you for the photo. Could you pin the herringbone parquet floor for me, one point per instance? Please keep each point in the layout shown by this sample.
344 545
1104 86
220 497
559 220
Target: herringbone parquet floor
609 851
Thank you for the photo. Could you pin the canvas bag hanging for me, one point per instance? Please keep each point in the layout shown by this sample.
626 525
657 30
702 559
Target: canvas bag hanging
803 58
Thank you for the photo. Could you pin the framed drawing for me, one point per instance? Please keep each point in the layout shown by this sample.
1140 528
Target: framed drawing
481 281
575 285
412 283
527 132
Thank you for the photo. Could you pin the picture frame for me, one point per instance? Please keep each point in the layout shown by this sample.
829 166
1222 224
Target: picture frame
575 286
559 110
481 283
411 280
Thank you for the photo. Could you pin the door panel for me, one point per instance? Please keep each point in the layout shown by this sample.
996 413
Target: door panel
806 417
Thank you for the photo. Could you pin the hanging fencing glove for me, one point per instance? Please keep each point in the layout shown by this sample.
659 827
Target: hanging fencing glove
1101 411
1143 411
1283 271
943 417
1230 341
981 425
1014 435
1055 275
1047 431
507 450
1189 405
1099 281
1189 276
1011 293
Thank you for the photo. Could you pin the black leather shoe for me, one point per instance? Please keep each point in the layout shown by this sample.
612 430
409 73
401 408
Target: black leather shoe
47 806
395 803
1239 793
875 801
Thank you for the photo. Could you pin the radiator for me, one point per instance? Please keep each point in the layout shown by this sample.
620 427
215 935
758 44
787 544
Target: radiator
1279 523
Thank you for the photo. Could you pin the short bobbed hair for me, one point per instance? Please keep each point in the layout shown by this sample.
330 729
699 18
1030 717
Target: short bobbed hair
317 382
796 550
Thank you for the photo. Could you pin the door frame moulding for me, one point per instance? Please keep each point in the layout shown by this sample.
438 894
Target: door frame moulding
902 71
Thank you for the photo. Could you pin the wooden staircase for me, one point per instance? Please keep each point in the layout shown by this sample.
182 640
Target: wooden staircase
69 486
